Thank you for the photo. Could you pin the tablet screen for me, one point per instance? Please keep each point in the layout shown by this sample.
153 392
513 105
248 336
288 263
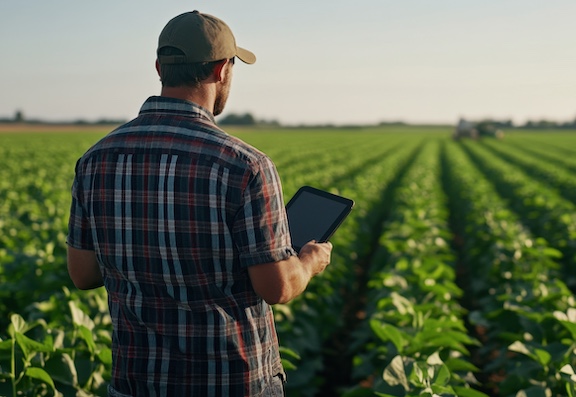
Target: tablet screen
315 215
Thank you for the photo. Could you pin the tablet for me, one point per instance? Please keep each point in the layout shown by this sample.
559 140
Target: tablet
315 214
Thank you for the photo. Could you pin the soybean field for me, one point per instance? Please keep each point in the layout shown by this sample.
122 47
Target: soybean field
454 275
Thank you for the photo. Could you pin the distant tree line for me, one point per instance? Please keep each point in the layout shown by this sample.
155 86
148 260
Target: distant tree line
19 118
247 119
547 124
530 124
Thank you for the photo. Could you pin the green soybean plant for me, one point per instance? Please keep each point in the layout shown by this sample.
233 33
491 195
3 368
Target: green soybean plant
71 358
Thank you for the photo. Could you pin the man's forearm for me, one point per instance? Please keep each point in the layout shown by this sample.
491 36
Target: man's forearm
282 281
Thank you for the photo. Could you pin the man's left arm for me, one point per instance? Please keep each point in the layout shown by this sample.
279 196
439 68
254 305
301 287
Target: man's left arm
83 268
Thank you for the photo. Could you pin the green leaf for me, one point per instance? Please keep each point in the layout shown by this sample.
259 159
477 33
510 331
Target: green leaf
418 376
105 356
403 305
543 357
552 253
539 355
19 325
6 345
434 359
442 390
287 365
567 369
458 364
79 317
388 332
443 376
570 326
520 347
31 347
394 374
289 352
40 374
88 337
62 369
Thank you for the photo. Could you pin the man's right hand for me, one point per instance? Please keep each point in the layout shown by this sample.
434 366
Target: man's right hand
316 256
282 281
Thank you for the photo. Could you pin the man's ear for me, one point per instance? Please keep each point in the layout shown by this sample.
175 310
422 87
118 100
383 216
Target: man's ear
220 70
158 67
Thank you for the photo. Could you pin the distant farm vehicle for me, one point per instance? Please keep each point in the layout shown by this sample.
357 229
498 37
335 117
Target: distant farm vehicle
472 130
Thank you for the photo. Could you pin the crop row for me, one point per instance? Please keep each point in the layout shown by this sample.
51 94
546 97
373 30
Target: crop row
414 340
34 205
559 178
558 145
542 209
514 290
559 157
52 337
324 306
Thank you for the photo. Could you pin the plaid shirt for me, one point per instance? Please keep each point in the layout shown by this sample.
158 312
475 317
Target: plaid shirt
176 210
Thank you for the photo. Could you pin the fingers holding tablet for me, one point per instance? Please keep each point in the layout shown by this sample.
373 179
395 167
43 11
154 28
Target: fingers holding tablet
316 255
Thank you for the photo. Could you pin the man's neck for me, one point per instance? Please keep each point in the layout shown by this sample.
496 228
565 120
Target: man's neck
202 96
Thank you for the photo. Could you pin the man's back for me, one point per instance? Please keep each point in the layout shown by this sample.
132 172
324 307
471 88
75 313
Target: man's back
173 206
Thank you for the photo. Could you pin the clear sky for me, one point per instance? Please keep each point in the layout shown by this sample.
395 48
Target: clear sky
319 61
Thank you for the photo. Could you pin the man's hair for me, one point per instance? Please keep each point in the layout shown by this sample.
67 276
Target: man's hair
183 74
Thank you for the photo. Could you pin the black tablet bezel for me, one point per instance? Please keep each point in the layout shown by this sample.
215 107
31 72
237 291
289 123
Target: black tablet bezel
349 204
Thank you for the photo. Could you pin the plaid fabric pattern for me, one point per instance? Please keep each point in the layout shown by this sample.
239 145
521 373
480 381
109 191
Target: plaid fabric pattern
176 210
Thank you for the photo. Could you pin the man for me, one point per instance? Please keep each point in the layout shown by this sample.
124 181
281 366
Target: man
185 226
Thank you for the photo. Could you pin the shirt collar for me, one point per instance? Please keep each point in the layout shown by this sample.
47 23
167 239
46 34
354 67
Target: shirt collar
176 107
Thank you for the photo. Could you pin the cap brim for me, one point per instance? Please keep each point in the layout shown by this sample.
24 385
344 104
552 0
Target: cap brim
245 55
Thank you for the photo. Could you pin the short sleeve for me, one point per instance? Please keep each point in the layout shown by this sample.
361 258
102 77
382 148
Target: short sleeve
260 227
79 232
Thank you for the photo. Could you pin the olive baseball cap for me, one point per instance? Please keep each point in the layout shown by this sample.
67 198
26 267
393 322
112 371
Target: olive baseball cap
202 38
